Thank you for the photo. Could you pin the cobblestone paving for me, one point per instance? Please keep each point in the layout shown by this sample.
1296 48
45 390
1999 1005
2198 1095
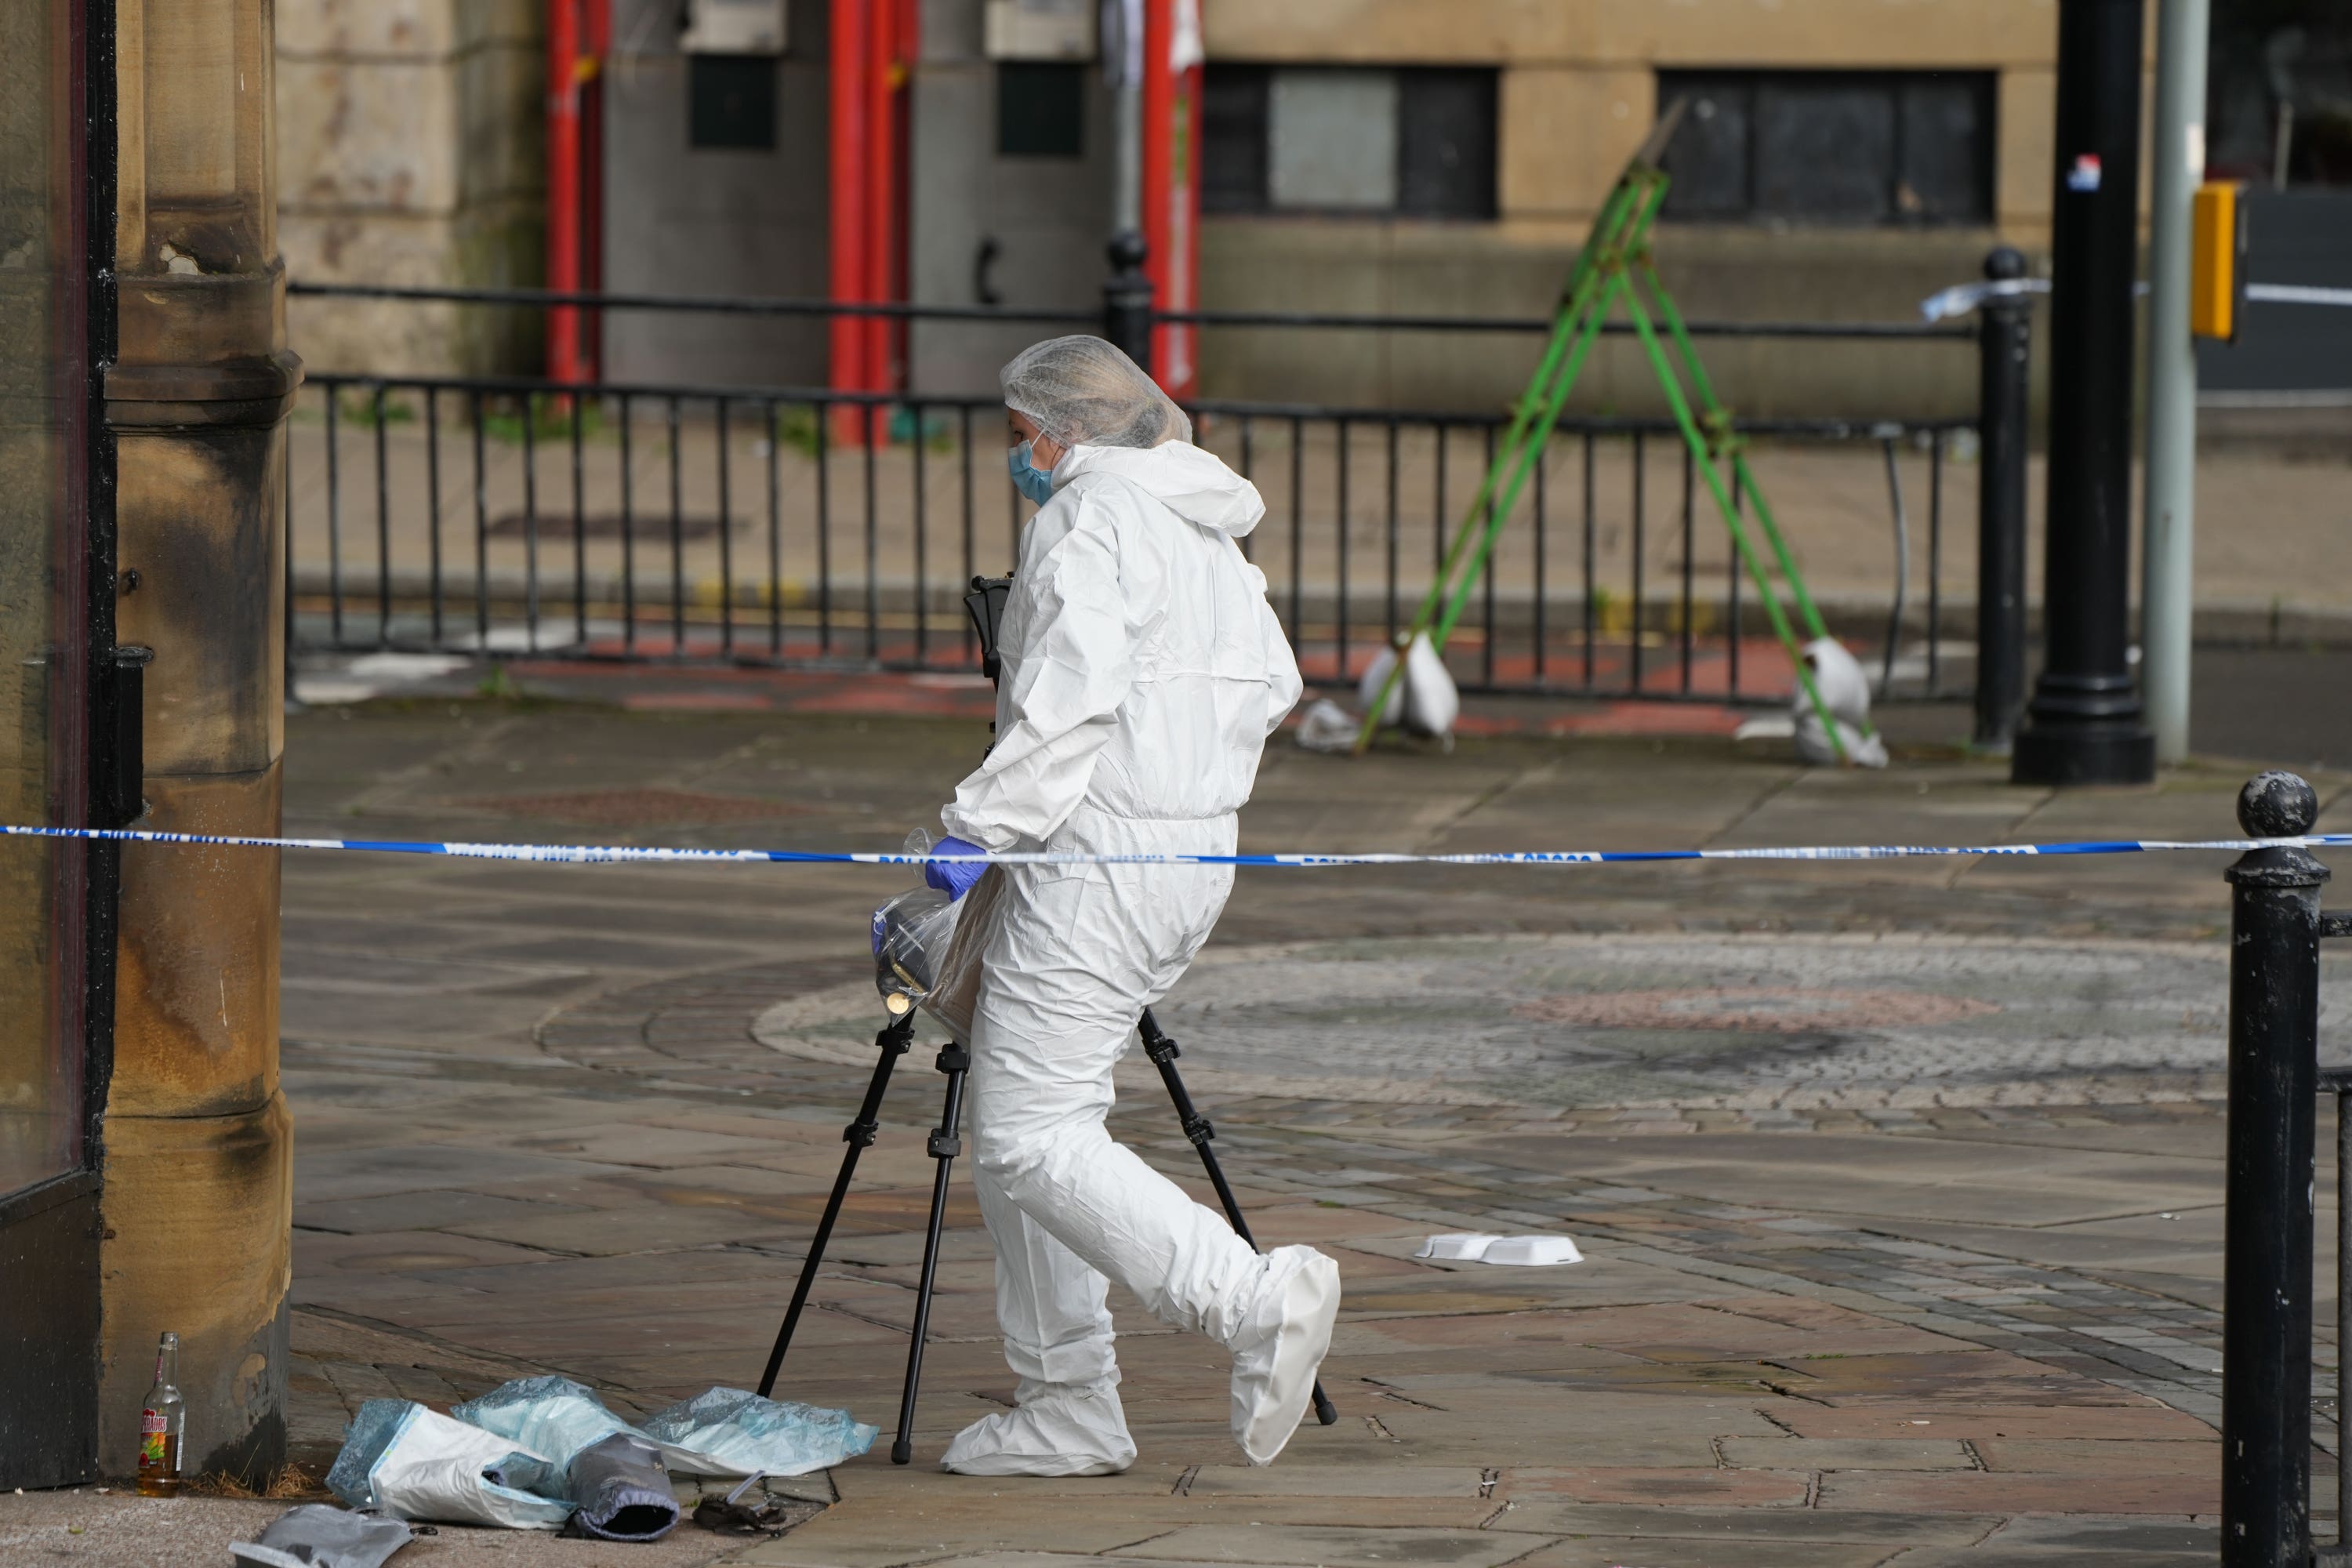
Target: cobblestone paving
539 1127
1675 1024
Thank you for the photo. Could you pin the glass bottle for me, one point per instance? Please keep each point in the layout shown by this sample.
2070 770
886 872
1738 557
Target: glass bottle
162 1424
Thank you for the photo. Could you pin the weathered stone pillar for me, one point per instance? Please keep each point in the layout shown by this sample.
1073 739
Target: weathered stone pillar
199 1148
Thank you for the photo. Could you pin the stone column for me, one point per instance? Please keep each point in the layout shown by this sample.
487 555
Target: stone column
197 1144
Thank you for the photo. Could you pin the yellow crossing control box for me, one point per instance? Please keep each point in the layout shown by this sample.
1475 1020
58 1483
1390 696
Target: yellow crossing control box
2217 250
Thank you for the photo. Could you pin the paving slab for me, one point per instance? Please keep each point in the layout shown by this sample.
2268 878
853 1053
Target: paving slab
1731 1524
1634 1552
1348 1480
1848 1454
121 1531
1355 1547
2120 1490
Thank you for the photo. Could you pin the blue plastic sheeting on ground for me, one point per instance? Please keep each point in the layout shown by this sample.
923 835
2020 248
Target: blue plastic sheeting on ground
745 1435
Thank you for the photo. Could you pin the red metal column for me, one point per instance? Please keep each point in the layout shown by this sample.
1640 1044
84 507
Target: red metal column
596 41
577 33
1171 185
562 184
882 68
849 229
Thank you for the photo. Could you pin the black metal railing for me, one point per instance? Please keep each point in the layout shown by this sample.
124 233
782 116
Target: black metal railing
2276 927
522 517
804 527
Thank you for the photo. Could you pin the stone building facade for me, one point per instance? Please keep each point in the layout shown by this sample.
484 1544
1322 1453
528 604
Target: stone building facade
409 151
1843 160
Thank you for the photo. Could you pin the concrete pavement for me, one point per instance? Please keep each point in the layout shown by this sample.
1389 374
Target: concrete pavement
1898 1182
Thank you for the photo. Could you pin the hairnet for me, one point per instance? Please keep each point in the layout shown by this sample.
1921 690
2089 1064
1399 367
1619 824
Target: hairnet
1083 391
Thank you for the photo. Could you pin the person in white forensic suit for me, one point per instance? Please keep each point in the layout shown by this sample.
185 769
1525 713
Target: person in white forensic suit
1142 672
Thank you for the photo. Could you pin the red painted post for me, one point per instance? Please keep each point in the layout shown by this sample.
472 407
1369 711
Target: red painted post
596 42
562 184
882 68
1171 185
846 196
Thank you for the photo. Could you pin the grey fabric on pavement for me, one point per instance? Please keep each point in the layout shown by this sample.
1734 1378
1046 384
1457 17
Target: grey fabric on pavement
623 1490
320 1536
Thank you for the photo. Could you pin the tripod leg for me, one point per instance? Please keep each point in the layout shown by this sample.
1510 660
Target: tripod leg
945 1145
859 1135
1164 1053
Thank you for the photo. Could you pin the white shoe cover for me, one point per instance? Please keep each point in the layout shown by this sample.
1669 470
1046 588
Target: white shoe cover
1274 1376
1058 1429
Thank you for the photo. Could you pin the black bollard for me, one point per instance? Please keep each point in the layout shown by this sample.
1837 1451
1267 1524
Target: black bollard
1126 298
2004 394
2267 1249
2084 725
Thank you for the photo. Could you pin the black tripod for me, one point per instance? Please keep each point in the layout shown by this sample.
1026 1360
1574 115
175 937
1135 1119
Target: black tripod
985 603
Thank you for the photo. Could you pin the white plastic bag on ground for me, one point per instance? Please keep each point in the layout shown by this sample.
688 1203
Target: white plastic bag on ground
1327 727
1814 750
735 1433
1425 702
403 1462
1845 691
1518 1251
1838 677
551 1415
719 1432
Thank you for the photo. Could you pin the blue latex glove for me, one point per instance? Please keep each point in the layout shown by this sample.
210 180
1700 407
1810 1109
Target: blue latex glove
955 881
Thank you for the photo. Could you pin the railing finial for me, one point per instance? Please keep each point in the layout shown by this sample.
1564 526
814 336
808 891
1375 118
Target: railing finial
2277 805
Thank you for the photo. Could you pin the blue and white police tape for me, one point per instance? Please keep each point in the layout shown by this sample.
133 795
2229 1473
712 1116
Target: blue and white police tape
627 854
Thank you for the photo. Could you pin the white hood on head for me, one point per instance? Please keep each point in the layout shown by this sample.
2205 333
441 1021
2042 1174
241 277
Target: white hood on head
1194 484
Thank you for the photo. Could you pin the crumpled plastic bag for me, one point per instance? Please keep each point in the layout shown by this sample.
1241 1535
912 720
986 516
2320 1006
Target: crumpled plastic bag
519 1456
550 1415
1325 727
320 1535
735 1433
719 1432
1814 750
909 936
1845 691
955 975
1425 702
622 1489
405 1462
529 1473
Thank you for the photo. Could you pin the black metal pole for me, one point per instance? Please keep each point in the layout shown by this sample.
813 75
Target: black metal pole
2084 725
2004 394
1198 1130
1126 298
2267 1245
947 1142
891 1043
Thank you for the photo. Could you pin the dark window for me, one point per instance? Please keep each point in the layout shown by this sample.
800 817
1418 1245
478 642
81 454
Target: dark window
1417 142
1445 143
732 101
1947 169
1233 138
1824 150
1831 147
1041 108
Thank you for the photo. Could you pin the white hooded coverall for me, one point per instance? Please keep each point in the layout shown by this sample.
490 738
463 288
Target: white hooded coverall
1142 671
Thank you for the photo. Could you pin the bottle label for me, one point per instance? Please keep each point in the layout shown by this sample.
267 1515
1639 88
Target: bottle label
151 1430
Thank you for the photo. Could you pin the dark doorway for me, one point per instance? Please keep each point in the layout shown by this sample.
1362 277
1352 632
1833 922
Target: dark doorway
56 896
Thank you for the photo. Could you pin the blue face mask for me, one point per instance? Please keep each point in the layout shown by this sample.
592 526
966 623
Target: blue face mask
1029 479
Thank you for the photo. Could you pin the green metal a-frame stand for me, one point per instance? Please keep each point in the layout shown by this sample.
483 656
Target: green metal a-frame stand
1615 265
